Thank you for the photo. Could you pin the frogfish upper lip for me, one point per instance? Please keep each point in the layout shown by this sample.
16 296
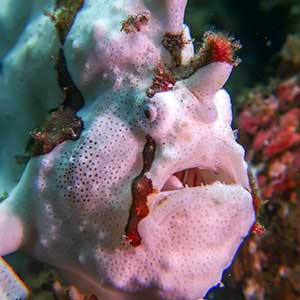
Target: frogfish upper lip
194 183
195 177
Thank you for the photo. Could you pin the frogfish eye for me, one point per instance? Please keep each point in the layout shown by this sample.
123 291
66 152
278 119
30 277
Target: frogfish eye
150 112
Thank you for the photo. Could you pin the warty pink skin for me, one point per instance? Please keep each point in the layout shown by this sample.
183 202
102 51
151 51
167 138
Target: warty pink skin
73 203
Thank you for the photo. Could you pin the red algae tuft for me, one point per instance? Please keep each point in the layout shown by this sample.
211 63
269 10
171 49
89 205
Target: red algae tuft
218 47
163 81
135 23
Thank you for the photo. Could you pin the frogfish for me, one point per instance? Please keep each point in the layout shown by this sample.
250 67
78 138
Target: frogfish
134 185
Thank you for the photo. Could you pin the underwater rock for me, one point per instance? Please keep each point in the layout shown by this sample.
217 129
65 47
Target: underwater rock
150 199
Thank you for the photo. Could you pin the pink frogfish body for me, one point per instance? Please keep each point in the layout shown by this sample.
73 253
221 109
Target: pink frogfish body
150 198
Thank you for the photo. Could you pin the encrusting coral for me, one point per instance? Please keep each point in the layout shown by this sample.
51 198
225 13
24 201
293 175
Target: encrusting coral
151 199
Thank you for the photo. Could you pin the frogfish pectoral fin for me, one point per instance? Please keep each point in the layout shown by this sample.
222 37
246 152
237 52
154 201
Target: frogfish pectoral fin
11 230
11 286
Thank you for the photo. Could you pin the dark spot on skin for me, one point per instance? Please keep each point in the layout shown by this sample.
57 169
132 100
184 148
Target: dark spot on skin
141 188
147 114
62 123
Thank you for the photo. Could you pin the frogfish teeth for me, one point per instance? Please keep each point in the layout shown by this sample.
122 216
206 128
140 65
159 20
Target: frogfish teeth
136 187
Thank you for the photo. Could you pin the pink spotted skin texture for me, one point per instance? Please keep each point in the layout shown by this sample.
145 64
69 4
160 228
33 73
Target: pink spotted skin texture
71 206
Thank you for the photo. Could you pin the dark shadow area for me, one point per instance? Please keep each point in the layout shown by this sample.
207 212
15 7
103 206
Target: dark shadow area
260 31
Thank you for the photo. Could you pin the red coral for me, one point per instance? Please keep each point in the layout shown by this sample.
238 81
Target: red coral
262 139
248 122
288 90
258 229
281 141
271 132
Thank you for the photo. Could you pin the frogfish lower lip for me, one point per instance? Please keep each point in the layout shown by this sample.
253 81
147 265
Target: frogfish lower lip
194 185
196 232
174 197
